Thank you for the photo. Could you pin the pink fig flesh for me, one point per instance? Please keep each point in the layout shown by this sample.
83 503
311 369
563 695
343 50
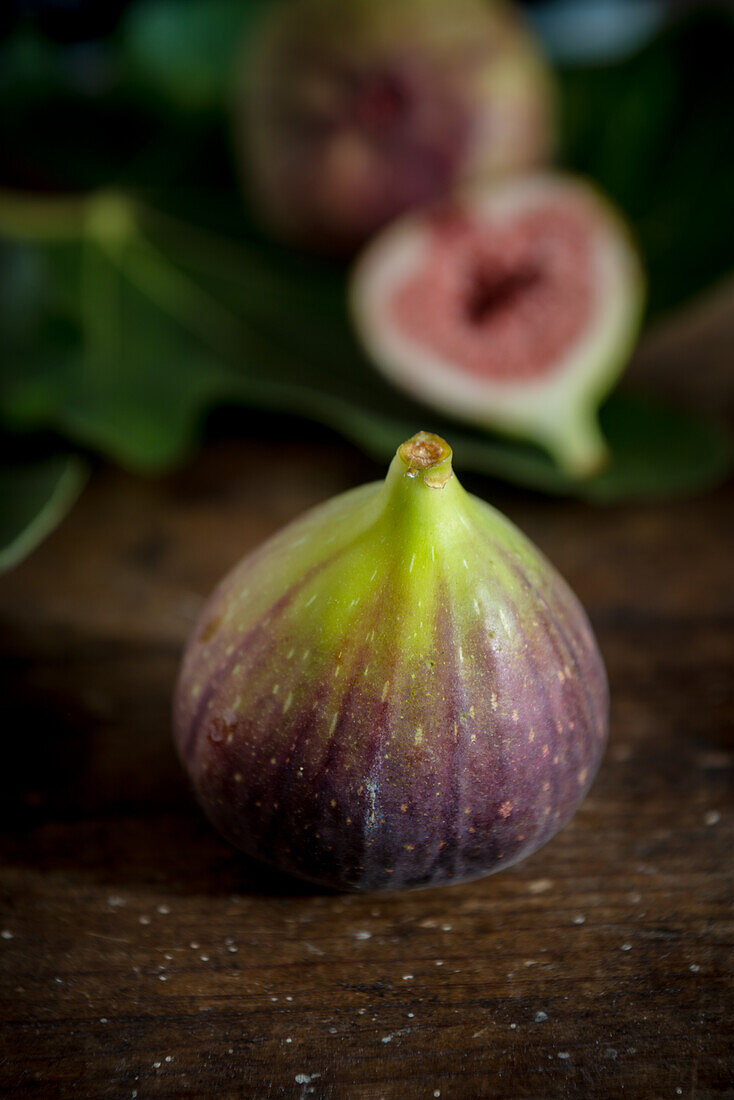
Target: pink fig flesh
502 302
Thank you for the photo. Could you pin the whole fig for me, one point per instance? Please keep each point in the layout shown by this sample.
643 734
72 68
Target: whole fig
352 111
396 690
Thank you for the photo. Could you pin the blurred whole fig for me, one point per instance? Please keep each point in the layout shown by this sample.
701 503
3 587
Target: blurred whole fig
397 690
352 111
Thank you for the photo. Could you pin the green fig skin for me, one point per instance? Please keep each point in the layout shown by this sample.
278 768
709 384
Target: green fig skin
352 111
397 690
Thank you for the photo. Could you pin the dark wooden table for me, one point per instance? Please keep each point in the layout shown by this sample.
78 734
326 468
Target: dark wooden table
141 956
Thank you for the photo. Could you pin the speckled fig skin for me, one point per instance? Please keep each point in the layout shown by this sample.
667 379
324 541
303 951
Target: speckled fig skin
396 690
352 111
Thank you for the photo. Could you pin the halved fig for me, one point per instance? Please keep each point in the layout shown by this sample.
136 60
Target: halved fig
514 307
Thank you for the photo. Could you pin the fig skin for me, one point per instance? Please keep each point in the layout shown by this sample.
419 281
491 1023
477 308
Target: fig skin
350 112
397 690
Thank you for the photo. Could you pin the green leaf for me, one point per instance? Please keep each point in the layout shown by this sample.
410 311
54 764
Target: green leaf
658 451
123 330
34 498
186 49
656 131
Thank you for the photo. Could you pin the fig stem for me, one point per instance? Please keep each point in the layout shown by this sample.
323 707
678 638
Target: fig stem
428 455
579 447
424 507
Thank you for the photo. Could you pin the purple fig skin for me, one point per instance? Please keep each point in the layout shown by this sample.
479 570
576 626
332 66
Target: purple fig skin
400 726
353 111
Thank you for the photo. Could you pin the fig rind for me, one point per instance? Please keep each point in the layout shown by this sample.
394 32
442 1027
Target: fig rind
397 690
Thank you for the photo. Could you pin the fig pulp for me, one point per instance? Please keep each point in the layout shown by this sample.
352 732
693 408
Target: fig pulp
353 111
514 307
396 690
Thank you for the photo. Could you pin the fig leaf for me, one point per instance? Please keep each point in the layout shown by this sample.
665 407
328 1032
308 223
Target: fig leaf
656 132
34 498
124 326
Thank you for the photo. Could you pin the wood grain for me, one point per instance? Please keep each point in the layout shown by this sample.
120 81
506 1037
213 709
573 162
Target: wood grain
141 956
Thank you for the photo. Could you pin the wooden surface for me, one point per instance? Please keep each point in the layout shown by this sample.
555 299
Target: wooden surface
141 956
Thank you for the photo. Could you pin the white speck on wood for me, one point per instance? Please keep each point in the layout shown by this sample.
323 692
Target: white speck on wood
393 1035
